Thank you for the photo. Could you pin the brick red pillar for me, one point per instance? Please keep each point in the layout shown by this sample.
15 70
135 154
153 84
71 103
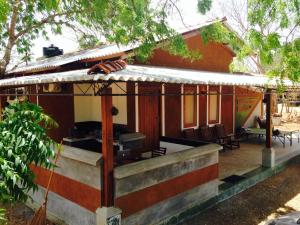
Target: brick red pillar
107 148
269 119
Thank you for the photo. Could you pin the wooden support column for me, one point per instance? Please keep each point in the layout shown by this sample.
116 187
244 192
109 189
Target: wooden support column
269 119
268 153
107 148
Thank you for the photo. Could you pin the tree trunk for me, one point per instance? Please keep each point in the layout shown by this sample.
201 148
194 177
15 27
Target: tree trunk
2 72
11 39
6 58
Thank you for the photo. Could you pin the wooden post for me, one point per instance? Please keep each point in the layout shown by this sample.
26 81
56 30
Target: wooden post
107 148
269 119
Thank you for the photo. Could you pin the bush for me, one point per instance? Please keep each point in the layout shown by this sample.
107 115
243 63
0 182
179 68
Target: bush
24 140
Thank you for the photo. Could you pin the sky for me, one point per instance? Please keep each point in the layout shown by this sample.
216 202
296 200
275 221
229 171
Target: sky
188 9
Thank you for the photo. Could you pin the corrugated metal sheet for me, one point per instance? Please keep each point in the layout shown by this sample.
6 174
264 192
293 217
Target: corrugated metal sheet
149 74
103 51
57 61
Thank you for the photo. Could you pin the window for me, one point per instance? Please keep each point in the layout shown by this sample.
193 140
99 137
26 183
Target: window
20 94
213 105
52 88
190 106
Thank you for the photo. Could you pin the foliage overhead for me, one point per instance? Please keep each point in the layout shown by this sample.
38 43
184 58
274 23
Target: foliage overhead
271 37
86 41
204 6
23 141
118 21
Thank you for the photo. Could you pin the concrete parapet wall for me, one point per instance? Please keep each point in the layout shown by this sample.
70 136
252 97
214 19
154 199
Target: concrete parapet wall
82 172
75 190
174 205
155 189
63 210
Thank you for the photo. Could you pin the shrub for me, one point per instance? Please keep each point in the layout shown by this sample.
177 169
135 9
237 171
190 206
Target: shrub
24 140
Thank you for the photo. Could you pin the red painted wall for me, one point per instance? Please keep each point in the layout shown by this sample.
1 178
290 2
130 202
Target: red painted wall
149 114
215 56
2 102
202 105
61 108
173 110
227 108
131 106
33 98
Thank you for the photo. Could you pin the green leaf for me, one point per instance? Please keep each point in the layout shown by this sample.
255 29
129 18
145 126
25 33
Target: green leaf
21 147
204 6
272 41
4 9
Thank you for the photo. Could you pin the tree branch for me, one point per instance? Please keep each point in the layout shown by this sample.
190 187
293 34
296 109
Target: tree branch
14 17
48 19
257 64
291 31
179 12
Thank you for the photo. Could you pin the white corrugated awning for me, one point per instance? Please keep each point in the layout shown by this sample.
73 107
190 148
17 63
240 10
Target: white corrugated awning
149 74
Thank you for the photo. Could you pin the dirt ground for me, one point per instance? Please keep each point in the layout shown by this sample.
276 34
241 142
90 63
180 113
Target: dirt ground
269 199
20 214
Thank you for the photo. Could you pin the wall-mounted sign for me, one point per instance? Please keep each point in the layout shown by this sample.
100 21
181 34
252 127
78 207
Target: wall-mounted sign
114 220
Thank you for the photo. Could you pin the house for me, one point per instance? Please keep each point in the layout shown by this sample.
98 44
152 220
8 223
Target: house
93 103
216 57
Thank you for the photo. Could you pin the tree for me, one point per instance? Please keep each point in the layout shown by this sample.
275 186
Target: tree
236 13
271 35
118 21
24 141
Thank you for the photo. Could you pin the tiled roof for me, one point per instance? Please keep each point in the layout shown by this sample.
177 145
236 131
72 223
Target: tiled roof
108 67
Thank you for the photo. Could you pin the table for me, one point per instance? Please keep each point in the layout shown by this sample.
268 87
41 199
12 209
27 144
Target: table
287 134
282 136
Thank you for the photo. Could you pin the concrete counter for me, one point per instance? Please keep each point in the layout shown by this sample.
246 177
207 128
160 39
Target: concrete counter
81 155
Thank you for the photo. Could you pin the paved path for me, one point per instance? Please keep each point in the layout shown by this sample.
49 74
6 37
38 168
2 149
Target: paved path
271 198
